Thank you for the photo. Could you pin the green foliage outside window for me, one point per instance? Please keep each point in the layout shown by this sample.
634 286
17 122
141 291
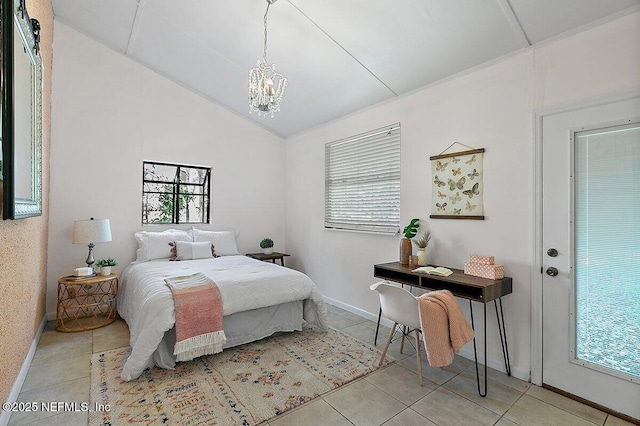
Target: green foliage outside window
174 193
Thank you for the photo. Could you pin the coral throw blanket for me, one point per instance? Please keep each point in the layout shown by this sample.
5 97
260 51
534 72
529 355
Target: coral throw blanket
199 325
444 327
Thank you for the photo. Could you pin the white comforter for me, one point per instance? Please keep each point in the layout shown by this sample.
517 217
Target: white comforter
145 301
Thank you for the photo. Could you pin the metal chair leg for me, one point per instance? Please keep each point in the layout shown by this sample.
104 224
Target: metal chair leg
375 339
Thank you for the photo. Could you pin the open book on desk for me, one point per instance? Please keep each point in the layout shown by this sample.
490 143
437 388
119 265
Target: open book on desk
440 270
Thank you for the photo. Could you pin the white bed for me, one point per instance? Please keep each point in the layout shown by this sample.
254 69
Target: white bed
259 299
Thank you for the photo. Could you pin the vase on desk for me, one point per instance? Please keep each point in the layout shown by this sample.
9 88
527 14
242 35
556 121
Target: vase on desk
422 256
405 251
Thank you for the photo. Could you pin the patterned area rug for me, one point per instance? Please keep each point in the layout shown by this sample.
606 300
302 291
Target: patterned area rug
244 385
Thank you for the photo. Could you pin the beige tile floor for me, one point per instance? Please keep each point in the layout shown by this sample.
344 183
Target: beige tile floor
390 396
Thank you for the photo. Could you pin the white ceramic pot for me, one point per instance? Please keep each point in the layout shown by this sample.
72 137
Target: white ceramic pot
422 257
105 270
267 250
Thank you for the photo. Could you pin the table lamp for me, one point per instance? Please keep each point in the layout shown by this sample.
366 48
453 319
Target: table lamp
89 232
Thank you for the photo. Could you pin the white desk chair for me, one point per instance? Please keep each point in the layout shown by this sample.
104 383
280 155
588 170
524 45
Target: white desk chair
401 307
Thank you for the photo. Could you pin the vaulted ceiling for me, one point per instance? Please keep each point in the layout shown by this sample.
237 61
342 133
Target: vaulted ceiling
339 55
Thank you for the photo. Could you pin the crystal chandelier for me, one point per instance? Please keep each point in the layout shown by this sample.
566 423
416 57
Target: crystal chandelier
266 86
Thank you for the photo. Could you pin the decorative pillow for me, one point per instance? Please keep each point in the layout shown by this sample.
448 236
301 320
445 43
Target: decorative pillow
155 245
185 250
174 251
225 241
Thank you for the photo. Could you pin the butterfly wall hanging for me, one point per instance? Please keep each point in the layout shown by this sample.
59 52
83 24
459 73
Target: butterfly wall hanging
457 186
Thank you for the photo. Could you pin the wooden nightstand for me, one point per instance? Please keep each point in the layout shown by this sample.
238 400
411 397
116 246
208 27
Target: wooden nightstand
272 257
86 303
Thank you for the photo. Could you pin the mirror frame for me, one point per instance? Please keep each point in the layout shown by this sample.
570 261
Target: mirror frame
14 14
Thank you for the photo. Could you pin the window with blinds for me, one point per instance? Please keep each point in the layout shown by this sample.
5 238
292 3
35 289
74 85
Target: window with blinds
362 182
607 248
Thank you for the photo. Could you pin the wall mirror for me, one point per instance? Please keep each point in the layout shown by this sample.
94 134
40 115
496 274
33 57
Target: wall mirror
21 86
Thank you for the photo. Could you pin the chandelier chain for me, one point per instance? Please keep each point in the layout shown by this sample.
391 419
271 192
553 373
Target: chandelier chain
264 56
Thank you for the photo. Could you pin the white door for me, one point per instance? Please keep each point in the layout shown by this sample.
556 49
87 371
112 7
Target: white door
591 218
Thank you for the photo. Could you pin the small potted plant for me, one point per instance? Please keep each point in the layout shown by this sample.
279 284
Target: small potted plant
422 242
409 232
266 245
105 265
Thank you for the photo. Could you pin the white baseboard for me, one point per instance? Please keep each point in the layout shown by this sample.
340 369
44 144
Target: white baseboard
17 385
467 351
51 316
358 311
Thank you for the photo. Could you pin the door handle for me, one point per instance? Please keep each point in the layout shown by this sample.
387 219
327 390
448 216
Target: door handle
552 252
552 272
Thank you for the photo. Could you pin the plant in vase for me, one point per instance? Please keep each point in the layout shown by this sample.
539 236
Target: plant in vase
422 242
105 265
409 232
266 245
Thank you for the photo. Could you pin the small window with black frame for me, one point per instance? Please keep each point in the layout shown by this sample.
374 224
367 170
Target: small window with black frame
175 193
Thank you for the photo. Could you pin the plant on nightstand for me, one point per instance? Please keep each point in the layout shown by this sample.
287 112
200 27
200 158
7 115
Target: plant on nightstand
266 245
105 265
422 242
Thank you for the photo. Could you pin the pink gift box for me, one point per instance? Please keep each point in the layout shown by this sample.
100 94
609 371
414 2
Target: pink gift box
494 272
480 258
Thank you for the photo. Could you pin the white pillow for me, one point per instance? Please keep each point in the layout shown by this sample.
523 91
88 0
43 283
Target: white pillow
223 241
186 250
155 245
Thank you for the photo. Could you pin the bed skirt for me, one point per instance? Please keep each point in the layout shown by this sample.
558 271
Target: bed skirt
241 328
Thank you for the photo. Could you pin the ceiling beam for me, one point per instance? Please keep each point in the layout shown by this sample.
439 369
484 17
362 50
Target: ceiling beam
514 22
136 26
342 47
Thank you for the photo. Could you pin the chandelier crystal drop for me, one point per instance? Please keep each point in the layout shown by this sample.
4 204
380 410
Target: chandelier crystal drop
266 86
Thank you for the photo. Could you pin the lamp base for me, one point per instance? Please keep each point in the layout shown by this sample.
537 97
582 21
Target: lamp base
90 260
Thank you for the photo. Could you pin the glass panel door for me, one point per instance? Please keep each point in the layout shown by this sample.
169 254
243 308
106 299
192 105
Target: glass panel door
607 250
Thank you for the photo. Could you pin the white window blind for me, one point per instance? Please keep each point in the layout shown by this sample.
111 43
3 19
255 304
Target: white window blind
607 253
362 182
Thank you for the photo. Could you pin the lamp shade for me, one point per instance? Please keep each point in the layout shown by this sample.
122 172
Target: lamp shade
91 231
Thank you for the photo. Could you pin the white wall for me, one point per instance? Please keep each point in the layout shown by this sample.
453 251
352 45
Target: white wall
490 108
109 114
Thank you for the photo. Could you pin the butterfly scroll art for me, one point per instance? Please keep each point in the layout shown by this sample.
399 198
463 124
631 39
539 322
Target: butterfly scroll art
457 187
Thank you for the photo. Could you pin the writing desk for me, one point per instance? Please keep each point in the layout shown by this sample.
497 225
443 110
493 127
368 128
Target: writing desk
474 289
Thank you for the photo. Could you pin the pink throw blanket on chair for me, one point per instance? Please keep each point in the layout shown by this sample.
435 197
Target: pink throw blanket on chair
198 312
444 327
